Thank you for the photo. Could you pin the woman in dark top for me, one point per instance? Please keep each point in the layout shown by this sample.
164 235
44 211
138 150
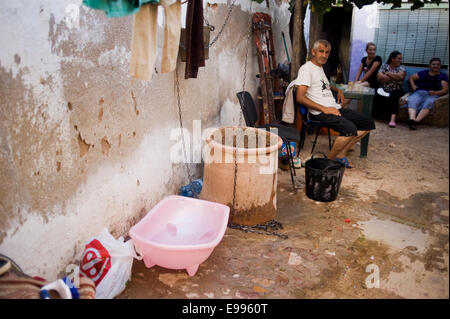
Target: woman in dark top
369 66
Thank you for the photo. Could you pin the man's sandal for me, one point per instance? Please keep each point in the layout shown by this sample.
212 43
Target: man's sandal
344 161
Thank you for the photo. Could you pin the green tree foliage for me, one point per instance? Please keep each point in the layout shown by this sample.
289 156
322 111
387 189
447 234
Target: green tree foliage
322 6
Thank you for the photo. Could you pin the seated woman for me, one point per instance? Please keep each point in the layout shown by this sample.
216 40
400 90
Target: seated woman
369 67
427 85
390 76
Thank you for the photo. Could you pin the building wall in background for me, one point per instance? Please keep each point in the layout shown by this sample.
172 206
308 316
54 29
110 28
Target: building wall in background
418 34
364 23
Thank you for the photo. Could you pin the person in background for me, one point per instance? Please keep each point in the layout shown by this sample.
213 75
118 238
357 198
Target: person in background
369 67
427 85
391 76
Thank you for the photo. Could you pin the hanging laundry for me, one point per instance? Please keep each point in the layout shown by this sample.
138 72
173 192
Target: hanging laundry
195 56
143 43
172 31
117 8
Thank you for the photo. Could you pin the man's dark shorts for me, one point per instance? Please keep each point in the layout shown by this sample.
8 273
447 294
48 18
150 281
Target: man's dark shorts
348 124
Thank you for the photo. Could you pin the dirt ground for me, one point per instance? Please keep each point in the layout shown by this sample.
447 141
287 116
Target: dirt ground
397 204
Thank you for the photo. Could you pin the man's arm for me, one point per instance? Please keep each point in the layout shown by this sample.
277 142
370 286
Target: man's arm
442 91
340 94
302 99
412 79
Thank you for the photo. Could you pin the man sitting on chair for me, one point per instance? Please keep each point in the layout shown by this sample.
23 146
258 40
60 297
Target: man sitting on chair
314 92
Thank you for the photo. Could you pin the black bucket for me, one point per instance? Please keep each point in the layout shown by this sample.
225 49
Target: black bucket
323 178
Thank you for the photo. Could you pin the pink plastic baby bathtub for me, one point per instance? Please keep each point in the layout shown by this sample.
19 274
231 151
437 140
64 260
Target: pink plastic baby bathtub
180 232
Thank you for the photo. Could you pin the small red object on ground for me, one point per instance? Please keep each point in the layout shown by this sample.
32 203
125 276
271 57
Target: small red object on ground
347 220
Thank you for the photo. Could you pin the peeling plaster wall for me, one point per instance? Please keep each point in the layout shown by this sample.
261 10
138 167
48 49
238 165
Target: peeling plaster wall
81 146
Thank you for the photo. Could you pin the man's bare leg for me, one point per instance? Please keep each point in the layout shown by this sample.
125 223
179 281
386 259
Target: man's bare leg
344 143
339 144
412 113
422 114
355 139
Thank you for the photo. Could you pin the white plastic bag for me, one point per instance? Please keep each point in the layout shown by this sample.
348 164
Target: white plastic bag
107 262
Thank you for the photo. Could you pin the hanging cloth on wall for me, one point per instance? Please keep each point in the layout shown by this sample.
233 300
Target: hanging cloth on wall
195 56
117 8
172 31
143 42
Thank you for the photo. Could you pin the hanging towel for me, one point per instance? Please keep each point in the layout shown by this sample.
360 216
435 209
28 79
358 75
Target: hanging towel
288 105
172 31
117 8
143 42
195 56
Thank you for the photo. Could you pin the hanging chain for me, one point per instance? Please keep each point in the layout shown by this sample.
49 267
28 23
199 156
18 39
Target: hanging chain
240 113
246 49
271 224
233 205
177 87
262 229
223 26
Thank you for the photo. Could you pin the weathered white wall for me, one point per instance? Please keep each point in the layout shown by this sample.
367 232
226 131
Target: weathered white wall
81 147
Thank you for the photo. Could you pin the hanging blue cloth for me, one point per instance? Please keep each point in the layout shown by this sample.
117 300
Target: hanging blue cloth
117 8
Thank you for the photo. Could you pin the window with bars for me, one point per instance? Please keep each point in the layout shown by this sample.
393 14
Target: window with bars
419 35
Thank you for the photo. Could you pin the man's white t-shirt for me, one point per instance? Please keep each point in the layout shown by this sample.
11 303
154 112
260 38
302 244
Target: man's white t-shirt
318 85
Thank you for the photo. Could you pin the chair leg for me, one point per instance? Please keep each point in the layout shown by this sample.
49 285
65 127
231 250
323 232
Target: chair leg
329 139
315 139
302 137
291 163
291 157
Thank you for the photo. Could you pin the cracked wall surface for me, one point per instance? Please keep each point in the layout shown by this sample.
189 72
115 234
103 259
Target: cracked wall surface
83 147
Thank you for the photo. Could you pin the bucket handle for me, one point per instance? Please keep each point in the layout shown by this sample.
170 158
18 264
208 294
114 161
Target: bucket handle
333 165
337 164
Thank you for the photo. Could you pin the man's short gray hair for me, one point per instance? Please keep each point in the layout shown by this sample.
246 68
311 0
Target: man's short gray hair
325 43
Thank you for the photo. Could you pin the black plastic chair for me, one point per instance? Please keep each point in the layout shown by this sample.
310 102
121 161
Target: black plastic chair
287 134
308 125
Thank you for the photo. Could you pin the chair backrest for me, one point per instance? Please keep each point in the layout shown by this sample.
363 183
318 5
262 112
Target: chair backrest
248 108
303 110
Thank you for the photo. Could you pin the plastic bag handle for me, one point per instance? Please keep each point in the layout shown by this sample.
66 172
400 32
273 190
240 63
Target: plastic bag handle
138 254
